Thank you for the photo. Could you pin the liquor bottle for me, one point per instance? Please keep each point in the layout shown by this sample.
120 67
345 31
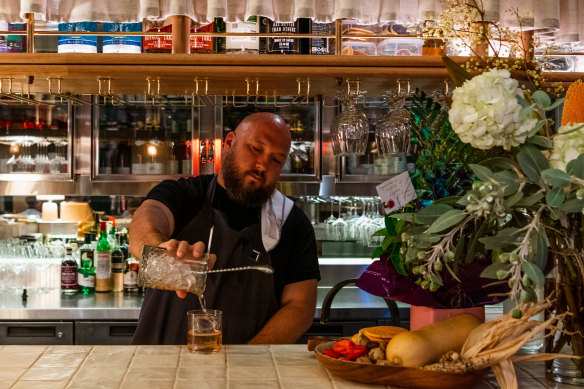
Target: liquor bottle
87 250
16 43
322 46
86 272
131 276
202 44
243 45
288 45
69 273
118 261
123 43
219 42
103 261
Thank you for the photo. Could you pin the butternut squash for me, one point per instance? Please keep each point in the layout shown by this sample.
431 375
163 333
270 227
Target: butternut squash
426 345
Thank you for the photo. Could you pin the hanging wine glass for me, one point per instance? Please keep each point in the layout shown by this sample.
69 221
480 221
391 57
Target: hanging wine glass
350 128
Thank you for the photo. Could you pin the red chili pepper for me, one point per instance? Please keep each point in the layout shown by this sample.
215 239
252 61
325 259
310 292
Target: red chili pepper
331 354
346 359
356 351
342 346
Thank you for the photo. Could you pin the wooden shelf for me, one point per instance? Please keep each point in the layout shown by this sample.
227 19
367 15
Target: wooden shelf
225 74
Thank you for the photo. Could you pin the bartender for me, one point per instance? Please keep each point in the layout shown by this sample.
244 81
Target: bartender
253 224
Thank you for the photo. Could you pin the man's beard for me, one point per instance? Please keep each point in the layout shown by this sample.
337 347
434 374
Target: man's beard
234 184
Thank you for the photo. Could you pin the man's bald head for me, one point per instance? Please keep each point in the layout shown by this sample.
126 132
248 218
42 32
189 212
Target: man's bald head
267 122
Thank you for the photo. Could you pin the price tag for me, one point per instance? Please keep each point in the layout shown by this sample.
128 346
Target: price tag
396 192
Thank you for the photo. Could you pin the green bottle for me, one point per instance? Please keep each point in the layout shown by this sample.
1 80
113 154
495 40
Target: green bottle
103 262
86 273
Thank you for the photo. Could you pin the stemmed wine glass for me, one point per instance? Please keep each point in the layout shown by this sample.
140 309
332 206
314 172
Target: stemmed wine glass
350 128
340 225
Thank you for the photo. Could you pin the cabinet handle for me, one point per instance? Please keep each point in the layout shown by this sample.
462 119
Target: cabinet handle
59 334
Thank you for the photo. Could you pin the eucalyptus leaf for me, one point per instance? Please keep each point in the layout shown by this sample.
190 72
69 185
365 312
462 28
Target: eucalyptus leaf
450 200
540 141
427 238
447 220
491 270
533 272
509 180
513 199
572 206
532 161
436 278
451 271
576 167
535 130
522 102
530 200
539 244
555 177
407 216
500 163
507 237
541 98
556 104
482 172
396 260
526 112
555 197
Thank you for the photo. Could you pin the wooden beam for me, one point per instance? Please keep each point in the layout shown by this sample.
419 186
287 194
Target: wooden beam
30 33
181 33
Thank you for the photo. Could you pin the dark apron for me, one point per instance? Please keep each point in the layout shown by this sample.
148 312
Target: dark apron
247 298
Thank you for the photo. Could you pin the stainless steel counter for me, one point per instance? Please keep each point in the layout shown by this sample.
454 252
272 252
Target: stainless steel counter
350 303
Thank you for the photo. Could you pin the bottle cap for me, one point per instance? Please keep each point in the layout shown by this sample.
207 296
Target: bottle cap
103 226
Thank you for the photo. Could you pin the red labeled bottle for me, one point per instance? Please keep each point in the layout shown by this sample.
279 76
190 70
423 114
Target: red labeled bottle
69 273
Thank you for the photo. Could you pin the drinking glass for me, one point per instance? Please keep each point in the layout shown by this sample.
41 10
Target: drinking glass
393 133
350 129
159 270
339 226
329 232
205 334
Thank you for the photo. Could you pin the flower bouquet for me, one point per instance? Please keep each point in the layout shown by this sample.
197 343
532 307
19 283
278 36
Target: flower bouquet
517 218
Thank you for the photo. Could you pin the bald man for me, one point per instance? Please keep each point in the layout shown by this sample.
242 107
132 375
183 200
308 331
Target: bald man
253 224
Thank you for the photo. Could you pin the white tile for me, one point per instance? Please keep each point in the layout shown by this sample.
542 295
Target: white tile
201 373
59 360
147 384
209 384
193 360
8 376
340 383
253 385
150 374
40 385
289 348
250 373
23 350
99 373
306 384
17 361
93 384
47 373
246 349
68 350
158 350
295 360
305 372
162 361
256 360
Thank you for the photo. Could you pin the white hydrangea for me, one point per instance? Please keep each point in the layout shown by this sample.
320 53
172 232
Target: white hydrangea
485 111
566 147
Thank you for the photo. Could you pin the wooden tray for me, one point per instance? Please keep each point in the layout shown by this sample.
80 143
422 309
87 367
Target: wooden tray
405 377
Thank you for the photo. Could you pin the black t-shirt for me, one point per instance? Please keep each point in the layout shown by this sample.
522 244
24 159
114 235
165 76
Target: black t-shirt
294 258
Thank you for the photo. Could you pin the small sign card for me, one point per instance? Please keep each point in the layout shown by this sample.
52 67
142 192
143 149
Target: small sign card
396 192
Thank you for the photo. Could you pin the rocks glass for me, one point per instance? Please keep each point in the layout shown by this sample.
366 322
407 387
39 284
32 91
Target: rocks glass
205 333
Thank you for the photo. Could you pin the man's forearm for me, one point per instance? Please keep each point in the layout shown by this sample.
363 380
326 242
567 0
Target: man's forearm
152 224
285 326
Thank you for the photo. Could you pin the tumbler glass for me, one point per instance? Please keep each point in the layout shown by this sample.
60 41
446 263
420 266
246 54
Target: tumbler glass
205 334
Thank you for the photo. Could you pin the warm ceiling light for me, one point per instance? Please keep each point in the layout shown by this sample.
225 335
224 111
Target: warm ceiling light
152 150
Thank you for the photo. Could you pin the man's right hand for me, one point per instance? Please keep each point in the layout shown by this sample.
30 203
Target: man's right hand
186 252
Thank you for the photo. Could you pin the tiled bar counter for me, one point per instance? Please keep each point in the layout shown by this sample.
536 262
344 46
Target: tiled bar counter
174 367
